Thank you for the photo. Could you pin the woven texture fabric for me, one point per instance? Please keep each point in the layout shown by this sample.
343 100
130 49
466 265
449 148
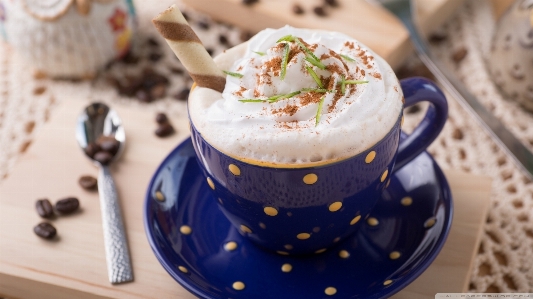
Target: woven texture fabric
504 262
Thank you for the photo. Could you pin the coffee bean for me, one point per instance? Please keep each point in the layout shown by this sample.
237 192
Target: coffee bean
297 9
182 95
158 91
203 25
88 182
44 208
249 2
143 96
155 57
176 70
152 42
45 230
332 3
459 55
67 205
437 37
164 130
92 149
161 118
103 157
223 39
246 35
130 58
108 144
320 11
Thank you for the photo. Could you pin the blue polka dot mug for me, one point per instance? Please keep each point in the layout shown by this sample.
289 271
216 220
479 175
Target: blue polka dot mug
308 209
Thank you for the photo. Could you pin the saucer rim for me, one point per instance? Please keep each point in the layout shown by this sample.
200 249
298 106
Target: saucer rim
384 293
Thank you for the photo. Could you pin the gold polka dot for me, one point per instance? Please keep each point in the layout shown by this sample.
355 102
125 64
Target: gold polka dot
430 222
185 229
310 179
370 157
384 175
406 201
238 285
234 169
159 196
282 252
210 182
316 229
286 268
245 229
372 221
387 282
394 255
330 291
334 207
230 246
303 236
355 220
270 211
183 269
388 183
288 247
337 239
344 254
321 250
262 225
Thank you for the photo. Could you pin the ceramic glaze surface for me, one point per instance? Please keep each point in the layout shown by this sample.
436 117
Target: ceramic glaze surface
213 260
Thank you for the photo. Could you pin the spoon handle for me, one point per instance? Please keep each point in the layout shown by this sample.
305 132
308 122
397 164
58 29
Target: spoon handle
116 247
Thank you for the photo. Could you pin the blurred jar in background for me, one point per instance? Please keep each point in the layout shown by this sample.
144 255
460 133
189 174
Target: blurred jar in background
68 38
511 58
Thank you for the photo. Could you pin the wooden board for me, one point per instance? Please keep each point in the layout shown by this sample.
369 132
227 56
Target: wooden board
364 20
74 266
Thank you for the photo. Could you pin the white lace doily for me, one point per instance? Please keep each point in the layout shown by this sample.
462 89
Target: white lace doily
505 259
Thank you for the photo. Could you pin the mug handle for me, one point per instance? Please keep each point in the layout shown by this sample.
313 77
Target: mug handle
416 90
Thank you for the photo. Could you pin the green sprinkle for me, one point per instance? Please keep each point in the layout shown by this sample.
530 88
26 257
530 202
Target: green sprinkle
283 96
317 90
260 53
316 63
252 101
354 82
286 38
306 50
285 61
233 74
319 111
350 59
315 76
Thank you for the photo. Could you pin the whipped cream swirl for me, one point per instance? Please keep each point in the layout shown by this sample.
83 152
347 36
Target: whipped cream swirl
301 111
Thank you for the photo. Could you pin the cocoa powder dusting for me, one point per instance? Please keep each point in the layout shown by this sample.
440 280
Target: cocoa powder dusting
310 98
289 109
239 93
350 45
363 72
274 65
377 75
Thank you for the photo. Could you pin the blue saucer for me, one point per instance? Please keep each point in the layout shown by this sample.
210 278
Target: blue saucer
189 236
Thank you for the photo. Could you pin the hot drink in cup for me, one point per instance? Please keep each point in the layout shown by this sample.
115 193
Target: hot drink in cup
303 138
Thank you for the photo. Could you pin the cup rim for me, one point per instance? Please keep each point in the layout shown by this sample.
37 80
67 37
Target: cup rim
274 165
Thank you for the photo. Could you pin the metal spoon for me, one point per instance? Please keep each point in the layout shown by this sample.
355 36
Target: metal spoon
96 120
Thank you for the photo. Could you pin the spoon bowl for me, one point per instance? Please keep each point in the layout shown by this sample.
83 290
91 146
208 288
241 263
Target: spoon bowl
98 121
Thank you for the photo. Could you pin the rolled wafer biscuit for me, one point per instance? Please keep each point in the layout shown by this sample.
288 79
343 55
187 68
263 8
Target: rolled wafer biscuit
191 52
